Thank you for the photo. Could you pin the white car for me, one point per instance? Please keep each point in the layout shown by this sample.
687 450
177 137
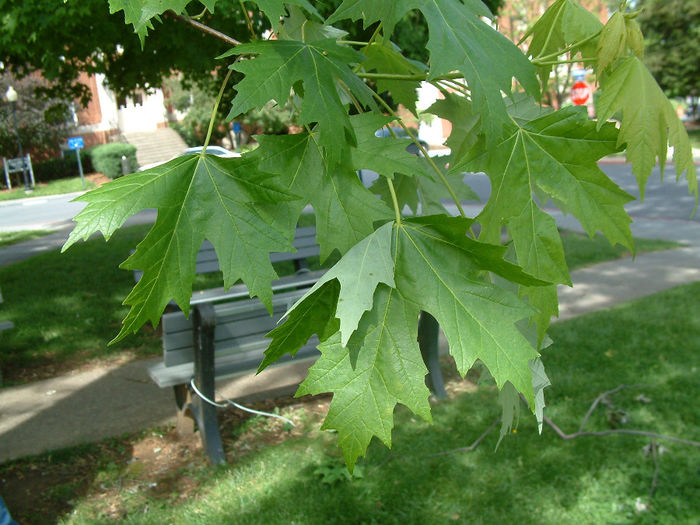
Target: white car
211 150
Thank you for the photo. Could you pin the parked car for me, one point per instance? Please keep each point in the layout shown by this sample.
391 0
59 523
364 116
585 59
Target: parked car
211 150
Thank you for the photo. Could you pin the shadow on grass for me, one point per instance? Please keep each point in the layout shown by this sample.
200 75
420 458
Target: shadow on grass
68 306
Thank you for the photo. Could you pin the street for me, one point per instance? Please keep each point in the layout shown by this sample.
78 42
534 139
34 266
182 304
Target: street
667 200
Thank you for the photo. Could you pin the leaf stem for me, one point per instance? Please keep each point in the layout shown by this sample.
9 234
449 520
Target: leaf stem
539 62
248 20
395 200
427 157
568 48
353 43
398 76
216 108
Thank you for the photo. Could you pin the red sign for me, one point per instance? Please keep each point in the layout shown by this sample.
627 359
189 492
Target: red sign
580 93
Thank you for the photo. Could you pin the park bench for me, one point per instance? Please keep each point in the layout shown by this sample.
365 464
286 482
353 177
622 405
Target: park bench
225 336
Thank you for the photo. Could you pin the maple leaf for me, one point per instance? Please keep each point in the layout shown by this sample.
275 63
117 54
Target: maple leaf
295 26
564 23
371 11
139 13
318 66
649 121
346 211
275 9
315 315
384 57
477 317
385 155
198 197
460 40
555 154
359 272
387 369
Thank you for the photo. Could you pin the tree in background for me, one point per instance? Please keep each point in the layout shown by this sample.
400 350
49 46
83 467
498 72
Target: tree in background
83 36
672 53
43 124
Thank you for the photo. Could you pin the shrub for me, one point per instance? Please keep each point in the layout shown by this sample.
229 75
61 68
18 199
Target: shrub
107 158
53 169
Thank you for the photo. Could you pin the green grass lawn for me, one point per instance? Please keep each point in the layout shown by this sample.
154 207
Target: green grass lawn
278 476
67 307
9 238
55 187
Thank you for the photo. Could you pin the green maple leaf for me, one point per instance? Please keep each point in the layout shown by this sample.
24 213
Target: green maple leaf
466 124
371 11
296 26
385 155
313 316
387 369
564 23
460 40
613 41
346 211
383 57
649 121
555 154
477 317
359 272
405 188
139 13
198 197
320 66
275 9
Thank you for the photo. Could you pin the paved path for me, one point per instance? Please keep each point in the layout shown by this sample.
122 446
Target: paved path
116 399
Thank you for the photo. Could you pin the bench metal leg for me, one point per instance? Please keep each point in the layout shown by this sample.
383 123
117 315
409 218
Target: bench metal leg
204 322
185 416
428 332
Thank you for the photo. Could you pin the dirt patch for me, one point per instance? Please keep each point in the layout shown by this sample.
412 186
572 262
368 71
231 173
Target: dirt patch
98 179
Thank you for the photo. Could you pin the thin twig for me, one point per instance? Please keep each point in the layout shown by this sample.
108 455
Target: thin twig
205 29
567 437
600 398
471 447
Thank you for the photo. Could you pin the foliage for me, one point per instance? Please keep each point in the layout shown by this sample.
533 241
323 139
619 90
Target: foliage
672 36
107 158
84 36
493 300
197 104
42 124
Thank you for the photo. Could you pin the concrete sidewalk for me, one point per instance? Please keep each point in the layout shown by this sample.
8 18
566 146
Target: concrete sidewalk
116 399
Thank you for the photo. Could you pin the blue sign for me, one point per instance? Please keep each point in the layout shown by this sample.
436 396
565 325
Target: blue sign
237 127
75 143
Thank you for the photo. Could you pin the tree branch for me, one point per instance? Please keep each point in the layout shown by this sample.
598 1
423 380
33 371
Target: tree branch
567 437
205 29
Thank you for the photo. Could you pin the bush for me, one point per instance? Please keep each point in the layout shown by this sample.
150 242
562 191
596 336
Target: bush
53 169
107 158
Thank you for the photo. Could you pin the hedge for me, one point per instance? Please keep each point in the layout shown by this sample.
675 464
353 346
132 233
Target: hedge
107 158
53 169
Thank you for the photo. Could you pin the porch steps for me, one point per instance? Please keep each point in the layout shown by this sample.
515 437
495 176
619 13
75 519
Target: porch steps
155 146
